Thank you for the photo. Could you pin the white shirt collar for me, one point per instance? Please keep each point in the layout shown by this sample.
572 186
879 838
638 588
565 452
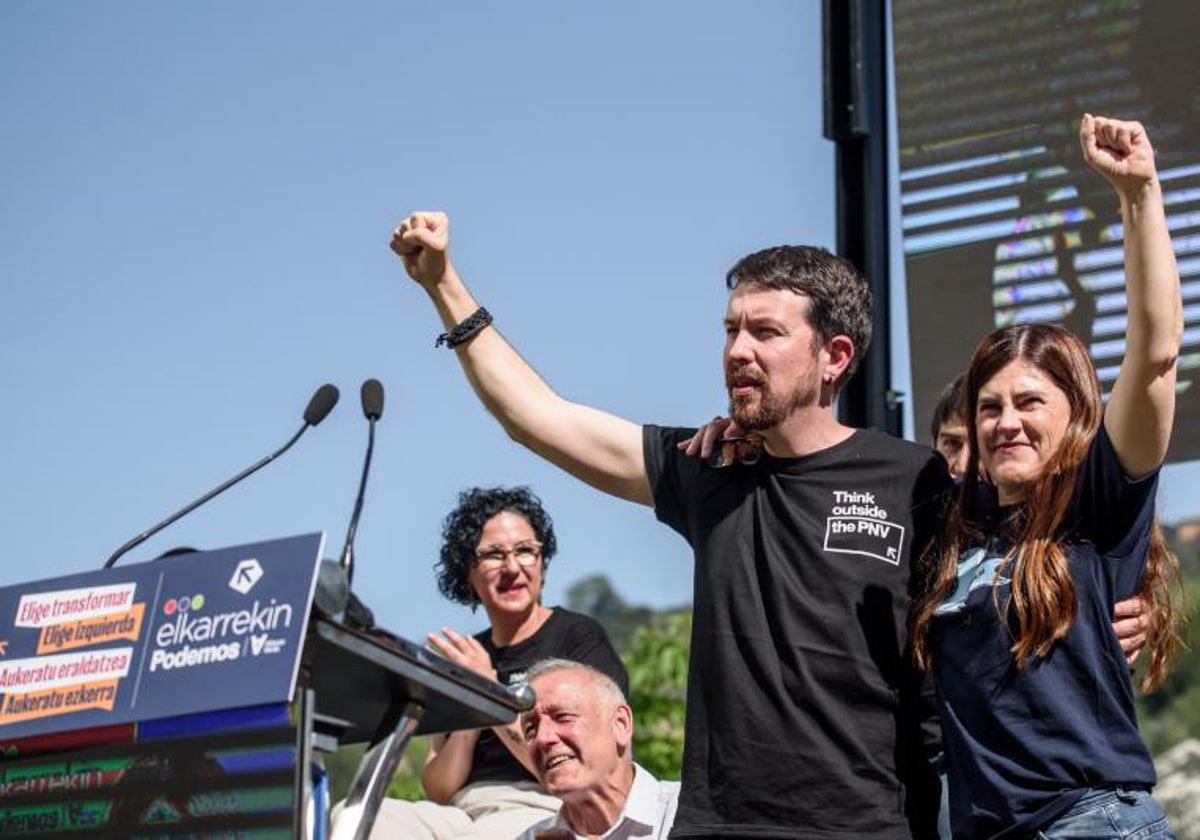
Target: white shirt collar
641 815
641 805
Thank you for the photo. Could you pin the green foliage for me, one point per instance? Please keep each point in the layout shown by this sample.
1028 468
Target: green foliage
1172 713
654 645
406 784
657 661
341 766
595 596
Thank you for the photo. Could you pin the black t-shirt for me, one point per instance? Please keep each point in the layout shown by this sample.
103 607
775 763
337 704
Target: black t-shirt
564 635
803 712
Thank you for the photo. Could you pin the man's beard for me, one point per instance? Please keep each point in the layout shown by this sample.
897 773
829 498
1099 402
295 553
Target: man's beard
768 409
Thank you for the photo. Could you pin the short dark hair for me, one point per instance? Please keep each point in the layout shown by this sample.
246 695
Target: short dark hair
951 405
838 294
463 526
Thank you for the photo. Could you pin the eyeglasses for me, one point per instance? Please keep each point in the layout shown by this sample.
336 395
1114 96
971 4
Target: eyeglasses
492 557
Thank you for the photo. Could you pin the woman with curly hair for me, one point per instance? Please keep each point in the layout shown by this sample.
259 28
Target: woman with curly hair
496 546
1053 524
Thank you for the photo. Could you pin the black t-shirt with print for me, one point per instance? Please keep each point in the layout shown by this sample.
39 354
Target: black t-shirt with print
803 712
564 635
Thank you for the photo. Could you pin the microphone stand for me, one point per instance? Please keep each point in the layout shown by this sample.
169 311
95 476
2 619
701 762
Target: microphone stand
347 559
319 406
333 589
150 532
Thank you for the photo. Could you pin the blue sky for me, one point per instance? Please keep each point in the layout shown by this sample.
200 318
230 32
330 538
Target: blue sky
197 208
196 205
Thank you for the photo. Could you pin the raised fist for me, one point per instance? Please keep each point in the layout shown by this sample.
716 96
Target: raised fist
422 241
1118 150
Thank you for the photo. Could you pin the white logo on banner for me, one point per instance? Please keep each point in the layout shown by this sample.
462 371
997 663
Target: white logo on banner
247 573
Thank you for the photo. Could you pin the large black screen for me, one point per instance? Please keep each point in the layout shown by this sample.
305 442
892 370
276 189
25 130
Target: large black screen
1002 221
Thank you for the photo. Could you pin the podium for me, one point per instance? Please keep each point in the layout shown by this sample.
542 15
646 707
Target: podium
195 695
382 689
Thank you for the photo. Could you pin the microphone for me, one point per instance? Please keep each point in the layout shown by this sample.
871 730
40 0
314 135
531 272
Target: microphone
333 596
318 409
372 406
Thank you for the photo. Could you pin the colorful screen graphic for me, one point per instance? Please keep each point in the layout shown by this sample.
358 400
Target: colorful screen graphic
217 783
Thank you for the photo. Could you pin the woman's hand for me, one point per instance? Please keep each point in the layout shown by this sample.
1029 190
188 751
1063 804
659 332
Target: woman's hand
1120 151
720 442
467 652
464 651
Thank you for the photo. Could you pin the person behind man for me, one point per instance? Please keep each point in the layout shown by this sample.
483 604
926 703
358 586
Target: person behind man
948 428
580 740
801 704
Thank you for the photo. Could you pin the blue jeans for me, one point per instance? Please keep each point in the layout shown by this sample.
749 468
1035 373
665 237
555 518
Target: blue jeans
943 821
1117 812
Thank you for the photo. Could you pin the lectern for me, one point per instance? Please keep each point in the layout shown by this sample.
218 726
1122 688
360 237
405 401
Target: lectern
195 694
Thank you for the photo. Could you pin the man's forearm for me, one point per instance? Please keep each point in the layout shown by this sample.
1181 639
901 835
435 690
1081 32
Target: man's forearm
603 450
505 383
452 299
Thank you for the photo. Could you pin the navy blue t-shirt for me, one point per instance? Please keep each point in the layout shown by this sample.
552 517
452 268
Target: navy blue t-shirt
1022 745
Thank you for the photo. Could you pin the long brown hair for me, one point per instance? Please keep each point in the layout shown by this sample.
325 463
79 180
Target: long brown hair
1042 597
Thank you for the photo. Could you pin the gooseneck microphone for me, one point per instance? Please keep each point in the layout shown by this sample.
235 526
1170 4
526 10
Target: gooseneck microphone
372 406
318 409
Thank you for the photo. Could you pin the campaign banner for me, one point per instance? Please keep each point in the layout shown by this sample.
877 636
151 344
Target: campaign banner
189 633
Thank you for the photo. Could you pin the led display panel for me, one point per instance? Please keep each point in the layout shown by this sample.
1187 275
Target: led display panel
1002 222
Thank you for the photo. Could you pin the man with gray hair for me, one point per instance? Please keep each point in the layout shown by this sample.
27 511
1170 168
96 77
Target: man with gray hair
580 740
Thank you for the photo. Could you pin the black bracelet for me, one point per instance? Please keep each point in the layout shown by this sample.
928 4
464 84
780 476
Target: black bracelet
465 330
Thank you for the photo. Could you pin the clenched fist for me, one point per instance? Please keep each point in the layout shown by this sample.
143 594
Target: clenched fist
422 241
1120 151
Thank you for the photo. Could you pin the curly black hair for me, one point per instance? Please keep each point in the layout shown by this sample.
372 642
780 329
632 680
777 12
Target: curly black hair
463 526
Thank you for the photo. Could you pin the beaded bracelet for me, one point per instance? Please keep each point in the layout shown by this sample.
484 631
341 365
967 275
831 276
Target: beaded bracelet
466 329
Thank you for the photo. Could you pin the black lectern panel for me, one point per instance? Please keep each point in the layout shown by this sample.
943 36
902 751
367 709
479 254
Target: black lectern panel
362 679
